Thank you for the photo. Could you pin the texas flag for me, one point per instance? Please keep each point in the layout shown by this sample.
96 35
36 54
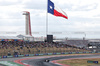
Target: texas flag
55 10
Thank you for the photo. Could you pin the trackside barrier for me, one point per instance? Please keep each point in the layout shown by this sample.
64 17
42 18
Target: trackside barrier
54 53
77 52
66 52
62 53
73 52
9 56
58 53
40 54
70 53
50 54
27 55
31 54
15 55
4 56
98 52
93 52
90 52
20 55
92 62
36 54
85 52
80 52
45 54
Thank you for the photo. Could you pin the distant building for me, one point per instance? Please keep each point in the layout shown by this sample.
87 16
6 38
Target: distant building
26 37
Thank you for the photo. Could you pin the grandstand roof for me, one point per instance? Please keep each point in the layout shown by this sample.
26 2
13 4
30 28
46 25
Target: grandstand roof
75 39
9 37
21 36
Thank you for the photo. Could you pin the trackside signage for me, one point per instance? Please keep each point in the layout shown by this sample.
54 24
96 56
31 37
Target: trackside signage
8 63
92 62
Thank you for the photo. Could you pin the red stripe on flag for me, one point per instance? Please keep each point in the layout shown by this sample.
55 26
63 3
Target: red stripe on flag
56 13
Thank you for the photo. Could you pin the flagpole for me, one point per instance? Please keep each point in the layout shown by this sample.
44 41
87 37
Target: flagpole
47 20
46 23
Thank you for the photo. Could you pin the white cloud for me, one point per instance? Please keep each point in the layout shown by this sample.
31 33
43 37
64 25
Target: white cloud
78 11
11 0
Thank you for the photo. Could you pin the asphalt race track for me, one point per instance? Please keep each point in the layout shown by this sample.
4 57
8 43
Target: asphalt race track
41 62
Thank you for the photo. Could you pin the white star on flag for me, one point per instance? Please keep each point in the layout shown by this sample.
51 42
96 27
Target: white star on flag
50 7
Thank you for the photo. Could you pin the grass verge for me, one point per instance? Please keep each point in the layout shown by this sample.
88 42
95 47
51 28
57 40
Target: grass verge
80 62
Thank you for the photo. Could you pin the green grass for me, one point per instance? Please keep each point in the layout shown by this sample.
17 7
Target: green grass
80 62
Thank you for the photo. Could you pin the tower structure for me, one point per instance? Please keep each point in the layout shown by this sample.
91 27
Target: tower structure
27 23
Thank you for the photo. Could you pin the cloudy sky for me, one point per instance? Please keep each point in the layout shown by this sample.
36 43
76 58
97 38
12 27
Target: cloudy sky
84 16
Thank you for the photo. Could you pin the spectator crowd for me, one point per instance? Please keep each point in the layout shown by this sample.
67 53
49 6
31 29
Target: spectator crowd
25 47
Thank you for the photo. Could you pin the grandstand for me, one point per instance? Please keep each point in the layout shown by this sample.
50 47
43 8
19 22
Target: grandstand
79 43
16 46
94 44
11 45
